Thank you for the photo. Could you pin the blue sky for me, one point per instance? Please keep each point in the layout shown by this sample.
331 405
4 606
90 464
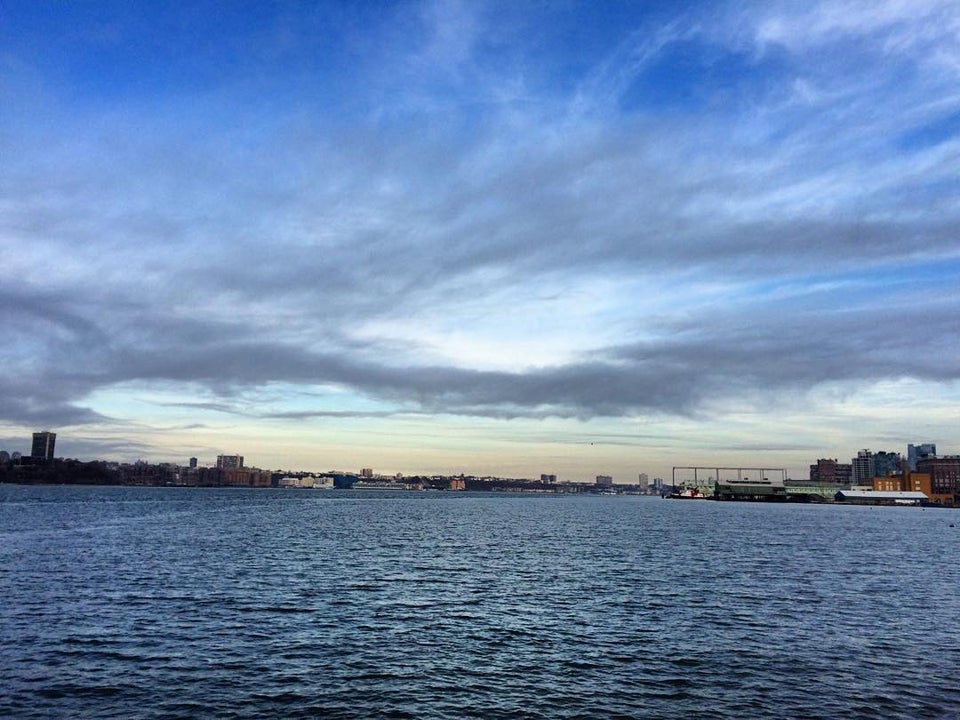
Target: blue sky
504 238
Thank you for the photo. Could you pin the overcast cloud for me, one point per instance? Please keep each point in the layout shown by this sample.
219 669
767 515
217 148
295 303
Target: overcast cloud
480 212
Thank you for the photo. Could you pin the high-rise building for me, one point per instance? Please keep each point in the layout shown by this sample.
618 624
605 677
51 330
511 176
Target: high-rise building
919 452
863 468
229 462
643 480
604 480
193 462
43 443
886 464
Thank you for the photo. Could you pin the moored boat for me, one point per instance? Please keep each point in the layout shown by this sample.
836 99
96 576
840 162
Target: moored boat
691 494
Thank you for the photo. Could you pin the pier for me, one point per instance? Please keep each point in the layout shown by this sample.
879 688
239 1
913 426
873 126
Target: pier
736 483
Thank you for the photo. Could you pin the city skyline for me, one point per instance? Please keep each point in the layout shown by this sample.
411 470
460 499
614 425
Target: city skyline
482 237
862 468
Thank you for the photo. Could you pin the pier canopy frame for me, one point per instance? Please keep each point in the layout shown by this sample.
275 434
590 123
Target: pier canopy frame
743 474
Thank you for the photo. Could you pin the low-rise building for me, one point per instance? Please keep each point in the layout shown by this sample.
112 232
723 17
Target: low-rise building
828 471
882 497
912 482
892 483
944 475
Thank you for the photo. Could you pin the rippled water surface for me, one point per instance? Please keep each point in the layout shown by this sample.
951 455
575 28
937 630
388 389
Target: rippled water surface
157 603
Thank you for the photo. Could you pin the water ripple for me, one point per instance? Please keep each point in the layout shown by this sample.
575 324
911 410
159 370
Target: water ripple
175 603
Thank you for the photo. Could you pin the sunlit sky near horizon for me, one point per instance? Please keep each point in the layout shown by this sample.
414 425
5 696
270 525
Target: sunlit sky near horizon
494 238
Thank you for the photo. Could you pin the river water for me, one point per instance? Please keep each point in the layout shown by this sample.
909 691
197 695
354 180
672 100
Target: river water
183 603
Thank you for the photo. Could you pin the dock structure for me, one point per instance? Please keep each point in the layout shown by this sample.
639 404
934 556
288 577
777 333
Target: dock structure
734 483
880 497
716 482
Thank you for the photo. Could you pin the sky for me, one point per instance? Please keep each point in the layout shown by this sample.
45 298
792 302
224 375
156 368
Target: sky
504 238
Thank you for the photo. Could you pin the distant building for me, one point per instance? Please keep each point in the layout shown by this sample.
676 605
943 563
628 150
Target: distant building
886 463
920 452
912 482
4 456
643 480
869 496
245 477
922 482
544 478
366 473
193 462
229 462
604 480
888 484
43 444
831 472
863 468
944 474
343 481
868 465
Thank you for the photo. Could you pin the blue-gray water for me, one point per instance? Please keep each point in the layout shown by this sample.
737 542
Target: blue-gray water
165 603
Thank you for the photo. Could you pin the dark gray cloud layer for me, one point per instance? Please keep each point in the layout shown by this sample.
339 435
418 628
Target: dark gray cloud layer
718 357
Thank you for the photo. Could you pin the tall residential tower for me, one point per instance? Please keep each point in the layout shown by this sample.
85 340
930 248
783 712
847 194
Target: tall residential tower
922 451
43 443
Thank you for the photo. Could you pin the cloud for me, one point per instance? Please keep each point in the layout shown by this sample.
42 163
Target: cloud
481 225
718 356
901 27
